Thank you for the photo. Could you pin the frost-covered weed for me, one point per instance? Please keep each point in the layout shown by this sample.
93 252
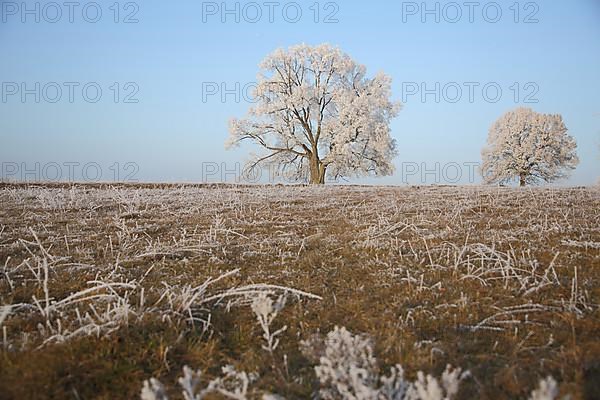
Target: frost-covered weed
231 385
348 370
153 390
266 310
548 390
427 387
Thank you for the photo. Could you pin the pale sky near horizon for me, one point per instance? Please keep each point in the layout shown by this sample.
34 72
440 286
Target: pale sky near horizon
544 55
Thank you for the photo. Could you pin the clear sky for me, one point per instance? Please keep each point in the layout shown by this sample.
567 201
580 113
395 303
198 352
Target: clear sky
544 55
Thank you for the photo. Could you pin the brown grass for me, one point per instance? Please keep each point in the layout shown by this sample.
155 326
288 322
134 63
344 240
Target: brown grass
482 278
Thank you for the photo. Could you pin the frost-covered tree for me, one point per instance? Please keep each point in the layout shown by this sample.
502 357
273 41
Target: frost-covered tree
529 147
318 115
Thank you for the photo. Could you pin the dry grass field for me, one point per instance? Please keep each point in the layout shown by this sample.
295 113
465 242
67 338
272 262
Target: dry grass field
104 286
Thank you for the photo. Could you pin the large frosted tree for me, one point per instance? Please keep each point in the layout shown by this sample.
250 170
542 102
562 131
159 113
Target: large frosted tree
528 147
318 115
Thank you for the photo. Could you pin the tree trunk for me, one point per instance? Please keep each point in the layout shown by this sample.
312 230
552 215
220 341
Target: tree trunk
317 172
522 178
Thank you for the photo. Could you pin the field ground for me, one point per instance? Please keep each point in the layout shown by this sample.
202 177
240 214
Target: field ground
107 285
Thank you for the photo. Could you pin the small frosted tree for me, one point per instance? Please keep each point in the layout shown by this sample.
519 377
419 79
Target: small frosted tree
317 115
528 147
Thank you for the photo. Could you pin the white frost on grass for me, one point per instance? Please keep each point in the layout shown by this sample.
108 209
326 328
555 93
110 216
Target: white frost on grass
347 371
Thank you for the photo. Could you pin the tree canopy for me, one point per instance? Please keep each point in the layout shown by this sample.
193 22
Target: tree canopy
529 147
317 114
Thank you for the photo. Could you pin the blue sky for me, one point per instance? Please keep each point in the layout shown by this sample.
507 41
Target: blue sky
177 48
